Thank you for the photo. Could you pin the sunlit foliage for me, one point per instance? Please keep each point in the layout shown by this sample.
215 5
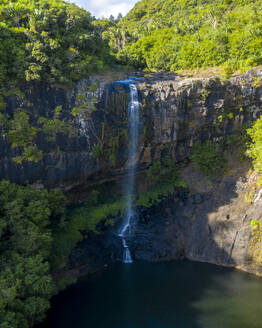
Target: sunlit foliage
48 40
186 34
255 146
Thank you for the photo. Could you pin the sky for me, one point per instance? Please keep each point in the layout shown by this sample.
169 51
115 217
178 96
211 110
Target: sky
105 8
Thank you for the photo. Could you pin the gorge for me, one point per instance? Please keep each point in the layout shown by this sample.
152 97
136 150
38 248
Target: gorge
131 165
193 216
207 213
209 219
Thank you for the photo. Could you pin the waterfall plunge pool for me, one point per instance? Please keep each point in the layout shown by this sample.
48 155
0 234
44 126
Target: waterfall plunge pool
160 295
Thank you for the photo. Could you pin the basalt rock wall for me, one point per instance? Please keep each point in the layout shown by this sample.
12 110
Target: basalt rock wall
175 113
211 220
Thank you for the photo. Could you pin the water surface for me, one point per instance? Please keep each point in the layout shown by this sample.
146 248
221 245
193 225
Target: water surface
165 295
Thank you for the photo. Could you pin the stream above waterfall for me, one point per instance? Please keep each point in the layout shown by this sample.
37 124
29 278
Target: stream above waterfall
180 294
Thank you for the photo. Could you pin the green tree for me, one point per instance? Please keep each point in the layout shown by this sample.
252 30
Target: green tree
176 34
26 285
208 158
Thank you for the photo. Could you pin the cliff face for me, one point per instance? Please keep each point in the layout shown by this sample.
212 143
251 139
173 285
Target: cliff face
175 112
211 221
180 112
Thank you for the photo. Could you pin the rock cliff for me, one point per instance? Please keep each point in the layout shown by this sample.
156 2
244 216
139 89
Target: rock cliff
210 220
176 112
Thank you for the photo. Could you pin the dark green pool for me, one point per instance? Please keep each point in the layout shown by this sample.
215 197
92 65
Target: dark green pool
166 295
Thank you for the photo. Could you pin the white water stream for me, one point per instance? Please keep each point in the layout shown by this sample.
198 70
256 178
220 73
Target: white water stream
133 130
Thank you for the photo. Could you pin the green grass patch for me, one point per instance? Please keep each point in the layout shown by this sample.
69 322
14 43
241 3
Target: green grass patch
80 221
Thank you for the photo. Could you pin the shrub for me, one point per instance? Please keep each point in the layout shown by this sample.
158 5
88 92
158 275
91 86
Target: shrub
255 146
208 158
166 177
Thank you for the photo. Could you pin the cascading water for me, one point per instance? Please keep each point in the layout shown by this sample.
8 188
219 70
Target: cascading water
133 129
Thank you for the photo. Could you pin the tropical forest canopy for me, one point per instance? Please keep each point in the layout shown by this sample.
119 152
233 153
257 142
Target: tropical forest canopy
48 40
27 218
186 34
58 42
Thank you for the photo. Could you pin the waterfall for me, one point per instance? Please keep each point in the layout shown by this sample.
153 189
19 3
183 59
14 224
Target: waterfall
133 132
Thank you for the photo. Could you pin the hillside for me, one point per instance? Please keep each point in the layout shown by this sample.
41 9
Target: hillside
48 40
166 35
51 42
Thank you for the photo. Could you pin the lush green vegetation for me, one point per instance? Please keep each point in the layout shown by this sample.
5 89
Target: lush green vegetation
237 144
166 177
209 158
22 133
81 221
37 235
26 220
255 146
185 34
103 205
48 40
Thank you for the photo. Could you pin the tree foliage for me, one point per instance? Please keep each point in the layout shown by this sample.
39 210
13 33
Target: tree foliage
26 218
185 34
22 132
48 40
165 176
209 158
